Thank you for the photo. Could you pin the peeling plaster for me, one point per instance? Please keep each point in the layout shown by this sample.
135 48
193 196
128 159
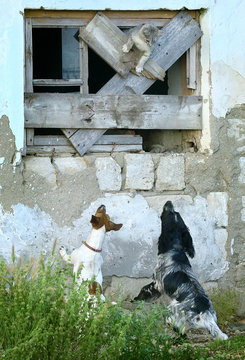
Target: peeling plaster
132 251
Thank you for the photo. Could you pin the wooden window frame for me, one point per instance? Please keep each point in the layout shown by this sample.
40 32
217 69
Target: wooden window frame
78 19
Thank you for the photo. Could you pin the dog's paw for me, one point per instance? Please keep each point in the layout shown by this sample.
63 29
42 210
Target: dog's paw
62 251
125 48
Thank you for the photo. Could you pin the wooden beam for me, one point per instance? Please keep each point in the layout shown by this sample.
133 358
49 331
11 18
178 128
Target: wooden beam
56 149
28 56
53 140
112 111
111 14
57 82
191 67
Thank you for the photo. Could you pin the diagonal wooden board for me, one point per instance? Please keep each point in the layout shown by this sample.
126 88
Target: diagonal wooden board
107 40
177 37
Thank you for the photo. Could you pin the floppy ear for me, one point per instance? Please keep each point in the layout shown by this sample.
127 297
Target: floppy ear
94 220
115 227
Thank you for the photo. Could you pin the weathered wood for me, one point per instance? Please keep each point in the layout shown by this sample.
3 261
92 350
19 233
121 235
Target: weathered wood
177 37
54 140
107 40
29 136
57 82
83 65
122 23
112 111
89 14
28 56
37 149
191 67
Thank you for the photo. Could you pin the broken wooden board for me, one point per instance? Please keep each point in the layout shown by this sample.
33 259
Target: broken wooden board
55 140
107 40
177 37
112 111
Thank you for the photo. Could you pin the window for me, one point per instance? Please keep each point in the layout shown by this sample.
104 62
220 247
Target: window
81 91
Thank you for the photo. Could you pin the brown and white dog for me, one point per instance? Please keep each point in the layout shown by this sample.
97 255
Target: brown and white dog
88 256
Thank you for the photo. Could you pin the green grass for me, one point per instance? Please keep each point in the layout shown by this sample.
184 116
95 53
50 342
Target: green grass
44 316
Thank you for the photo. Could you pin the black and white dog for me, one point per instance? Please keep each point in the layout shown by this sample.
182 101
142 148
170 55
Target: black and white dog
189 305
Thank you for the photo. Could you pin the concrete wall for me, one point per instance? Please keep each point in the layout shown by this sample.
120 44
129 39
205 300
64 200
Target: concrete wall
43 199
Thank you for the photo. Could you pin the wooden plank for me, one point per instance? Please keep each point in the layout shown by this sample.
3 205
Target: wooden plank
56 82
107 41
191 67
104 140
37 149
29 136
74 23
28 56
112 111
112 14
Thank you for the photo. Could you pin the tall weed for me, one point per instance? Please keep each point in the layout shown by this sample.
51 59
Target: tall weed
44 316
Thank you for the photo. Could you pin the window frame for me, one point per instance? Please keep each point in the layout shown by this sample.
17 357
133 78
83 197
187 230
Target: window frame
78 19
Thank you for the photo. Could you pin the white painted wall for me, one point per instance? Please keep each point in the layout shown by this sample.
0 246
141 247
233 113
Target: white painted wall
224 25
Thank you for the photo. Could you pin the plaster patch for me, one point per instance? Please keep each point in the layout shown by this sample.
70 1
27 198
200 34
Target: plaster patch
228 82
132 251
217 207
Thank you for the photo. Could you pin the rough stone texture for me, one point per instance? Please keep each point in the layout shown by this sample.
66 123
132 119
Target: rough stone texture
41 167
217 208
243 209
70 165
124 287
242 166
170 174
108 173
139 171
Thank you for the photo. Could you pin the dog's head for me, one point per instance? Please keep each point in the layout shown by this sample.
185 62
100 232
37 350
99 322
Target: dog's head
175 234
101 218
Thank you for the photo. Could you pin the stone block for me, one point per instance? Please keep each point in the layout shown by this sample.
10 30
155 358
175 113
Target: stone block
108 173
243 209
70 165
41 166
217 208
139 171
170 174
241 177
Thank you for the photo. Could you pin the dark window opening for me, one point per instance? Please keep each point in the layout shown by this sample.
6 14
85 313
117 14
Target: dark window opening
56 89
53 131
159 87
99 72
47 53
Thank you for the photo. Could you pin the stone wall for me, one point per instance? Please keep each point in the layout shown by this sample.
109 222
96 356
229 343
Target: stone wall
52 198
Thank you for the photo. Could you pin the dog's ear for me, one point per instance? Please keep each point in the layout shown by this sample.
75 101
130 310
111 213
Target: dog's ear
114 226
94 220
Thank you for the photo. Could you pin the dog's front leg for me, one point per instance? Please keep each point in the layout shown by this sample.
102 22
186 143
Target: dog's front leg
64 254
